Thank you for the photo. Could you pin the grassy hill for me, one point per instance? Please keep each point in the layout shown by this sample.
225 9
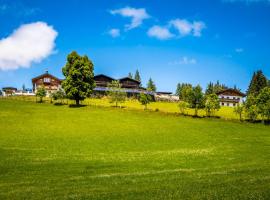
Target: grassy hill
57 152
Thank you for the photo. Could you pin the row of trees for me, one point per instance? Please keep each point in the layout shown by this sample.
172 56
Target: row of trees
193 97
151 86
257 103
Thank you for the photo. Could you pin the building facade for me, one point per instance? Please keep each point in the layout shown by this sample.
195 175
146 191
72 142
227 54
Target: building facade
50 83
230 97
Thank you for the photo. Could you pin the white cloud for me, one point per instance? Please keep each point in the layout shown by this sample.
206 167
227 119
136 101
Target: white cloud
184 27
114 32
137 16
30 43
239 50
184 61
159 32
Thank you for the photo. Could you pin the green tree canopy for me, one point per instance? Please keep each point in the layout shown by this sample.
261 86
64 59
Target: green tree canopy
257 83
184 91
137 76
239 110
116 93
196 99
211 104
41 93
263 102
145 99
79 82
151 85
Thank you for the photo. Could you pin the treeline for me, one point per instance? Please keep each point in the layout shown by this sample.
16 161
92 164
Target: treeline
257 104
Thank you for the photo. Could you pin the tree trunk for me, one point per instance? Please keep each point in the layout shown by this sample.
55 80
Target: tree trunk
77 102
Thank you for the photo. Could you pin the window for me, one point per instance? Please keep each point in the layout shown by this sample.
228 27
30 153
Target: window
222 104
46 80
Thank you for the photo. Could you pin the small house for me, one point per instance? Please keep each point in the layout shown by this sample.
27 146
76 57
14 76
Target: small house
230 97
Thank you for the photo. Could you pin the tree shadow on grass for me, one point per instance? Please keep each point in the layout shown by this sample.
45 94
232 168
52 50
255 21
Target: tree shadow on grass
76 106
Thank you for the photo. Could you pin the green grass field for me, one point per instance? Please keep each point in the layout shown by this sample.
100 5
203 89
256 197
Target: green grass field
57 152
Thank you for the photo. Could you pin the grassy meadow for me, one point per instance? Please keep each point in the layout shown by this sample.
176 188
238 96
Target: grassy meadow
99 152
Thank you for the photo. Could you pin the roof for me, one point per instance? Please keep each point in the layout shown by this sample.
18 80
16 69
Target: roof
131 79
45 74
164 92
230 90
9 88
104 76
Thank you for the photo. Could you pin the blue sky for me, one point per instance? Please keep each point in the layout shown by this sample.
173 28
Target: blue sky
170 41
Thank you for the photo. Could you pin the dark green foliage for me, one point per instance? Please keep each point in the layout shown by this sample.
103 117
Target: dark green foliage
258 82
211 104
130 75
145 99
263 103
214 88
41 93
210 89
151 86
116 93
183 107
58 95
23 88
184 90
239 110
1 93
196 99
79 82
137 76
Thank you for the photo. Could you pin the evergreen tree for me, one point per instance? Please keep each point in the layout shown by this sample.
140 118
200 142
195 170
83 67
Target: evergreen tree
263 103
151 86
130 75
184 90
257 83
79 82
23 88
137 76
210 89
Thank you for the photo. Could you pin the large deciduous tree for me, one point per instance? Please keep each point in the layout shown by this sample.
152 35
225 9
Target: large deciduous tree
184 91
196 99
79 82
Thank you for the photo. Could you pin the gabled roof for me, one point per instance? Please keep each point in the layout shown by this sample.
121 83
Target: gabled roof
127 78
230 90
43 75
9 88
103 75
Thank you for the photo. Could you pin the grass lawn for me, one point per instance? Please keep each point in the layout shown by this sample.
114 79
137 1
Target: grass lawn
57 152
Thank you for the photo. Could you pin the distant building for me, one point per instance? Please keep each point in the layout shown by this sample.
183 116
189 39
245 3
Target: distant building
50 82
9 91
131 86
166 96
230 97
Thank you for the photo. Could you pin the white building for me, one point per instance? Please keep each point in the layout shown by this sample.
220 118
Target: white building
230 97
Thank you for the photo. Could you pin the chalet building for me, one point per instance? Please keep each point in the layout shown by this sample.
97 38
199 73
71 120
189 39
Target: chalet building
230 97
50 82
9 91
166 96
131 86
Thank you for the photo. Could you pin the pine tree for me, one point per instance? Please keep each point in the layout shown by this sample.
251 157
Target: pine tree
130 75
258 82
210 89
137 76
151 85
